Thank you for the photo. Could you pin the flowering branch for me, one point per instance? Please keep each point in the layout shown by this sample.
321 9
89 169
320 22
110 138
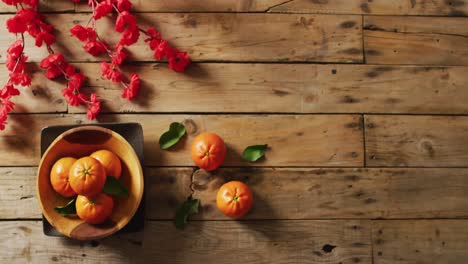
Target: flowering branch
27 19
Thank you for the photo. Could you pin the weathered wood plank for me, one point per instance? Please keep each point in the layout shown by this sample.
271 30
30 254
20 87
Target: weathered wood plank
416 40
290 88
43 96
165 190
295 140
427 141
224 37
420 241
341 193
376 7
201 242
197 6
281 193
18 193
44 6
24 242
282 88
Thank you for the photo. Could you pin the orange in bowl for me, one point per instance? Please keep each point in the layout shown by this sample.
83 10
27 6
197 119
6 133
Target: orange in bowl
81 142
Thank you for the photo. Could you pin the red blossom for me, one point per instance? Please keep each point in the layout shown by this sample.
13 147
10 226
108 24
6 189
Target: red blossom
94 108
20 79
95 47
16 24
8 91
125 19
130 36
83 33
132 90
178 62
52 60
102 9
76 81
16 64
15 49
53 72
74 97
124 5
119 55
110 72
45 37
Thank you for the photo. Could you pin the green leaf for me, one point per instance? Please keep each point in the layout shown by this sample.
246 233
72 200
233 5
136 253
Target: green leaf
253 153
114 187
67 209
171 137
187 208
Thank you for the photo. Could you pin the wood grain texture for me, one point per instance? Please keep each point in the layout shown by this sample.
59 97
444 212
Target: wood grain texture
294 140
18 193
223 37
44 6
43 96
24 242
259 242
280 193
282 88
418 141
166 189
197 6
341 193
376 7
289 88
420 241
416 40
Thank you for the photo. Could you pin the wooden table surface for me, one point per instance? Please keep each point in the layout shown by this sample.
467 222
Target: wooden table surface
363 102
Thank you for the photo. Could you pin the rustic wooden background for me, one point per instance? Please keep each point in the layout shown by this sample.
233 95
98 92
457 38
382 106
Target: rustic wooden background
363 102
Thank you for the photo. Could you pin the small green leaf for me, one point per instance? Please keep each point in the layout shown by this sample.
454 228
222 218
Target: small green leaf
253 153
67 209
114 187
171 137
187 208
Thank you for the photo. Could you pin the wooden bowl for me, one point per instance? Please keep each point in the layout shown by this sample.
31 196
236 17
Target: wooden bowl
79 142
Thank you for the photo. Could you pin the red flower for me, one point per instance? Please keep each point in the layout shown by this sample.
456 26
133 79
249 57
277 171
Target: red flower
20 78
16 24
94 108
153 34
124 5
110 72
76 81
51 60
8 91
132 90
179 62
119 55
83 33
74 97
69 70
45 37
163 50
15 49
130 36
16 64
102 9
95 47
125 19
53 72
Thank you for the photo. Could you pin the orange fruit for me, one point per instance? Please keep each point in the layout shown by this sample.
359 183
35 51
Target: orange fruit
87 176
59 177
94 210
234 199
110 161
208 151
